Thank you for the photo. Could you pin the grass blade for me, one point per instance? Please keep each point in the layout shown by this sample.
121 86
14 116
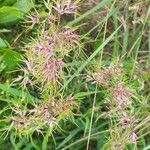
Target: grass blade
92 56
91 11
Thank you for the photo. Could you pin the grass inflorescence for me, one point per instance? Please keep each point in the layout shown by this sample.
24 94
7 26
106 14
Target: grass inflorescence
75 74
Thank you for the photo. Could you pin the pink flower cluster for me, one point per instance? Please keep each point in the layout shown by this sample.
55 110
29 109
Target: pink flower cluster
51 69
105 75
121 95
65 7
47 53
40 115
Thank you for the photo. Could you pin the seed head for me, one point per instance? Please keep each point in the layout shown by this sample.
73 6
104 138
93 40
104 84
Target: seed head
39 116
127 121
105 75
51 70
133 137
121 94
65 7
44 48
101 77
34 18
70 35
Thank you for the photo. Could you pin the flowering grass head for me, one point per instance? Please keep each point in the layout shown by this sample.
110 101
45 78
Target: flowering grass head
46 55
105 75
121 95
65 6
119 105
47 114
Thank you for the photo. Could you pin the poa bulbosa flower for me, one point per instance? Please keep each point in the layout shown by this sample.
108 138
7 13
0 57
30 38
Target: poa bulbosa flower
39 116
100 77
65 6
51 70
33 19
121 95
45 57
104 76
127 121
133 137
46 53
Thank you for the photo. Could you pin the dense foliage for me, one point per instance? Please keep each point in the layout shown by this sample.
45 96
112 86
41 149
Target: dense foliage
75 74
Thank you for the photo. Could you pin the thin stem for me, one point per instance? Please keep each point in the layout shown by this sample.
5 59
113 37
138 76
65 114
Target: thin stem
91 122
85 138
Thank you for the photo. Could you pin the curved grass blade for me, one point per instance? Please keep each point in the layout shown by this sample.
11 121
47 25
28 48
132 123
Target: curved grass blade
92 56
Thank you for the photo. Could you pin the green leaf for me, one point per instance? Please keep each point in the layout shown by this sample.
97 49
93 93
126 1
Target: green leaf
68 138
90 12
2 43
11 58
4 30
17 11
45 140
24 5
9 14
83 94
10 90
15 92
147 148
7 2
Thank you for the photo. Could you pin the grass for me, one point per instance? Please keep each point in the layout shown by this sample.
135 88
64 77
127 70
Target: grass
75 77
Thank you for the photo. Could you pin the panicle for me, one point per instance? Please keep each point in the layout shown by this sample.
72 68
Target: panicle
45 55
121 95
33 18
51 70
65 7
44 114
105 75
